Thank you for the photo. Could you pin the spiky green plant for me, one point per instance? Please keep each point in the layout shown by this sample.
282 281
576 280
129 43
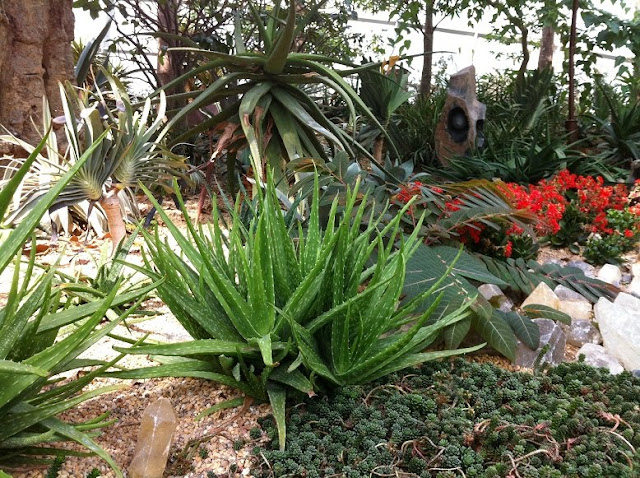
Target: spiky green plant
272 309
30 356
131 151
271 114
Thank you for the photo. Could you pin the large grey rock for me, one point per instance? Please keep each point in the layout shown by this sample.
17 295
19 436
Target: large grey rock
577 309
496 297
582 332
543 295
551 334
610 274
564 293
620 329
588 269
598 356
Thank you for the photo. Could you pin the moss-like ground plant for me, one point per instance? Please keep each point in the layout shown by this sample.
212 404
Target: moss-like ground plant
457 418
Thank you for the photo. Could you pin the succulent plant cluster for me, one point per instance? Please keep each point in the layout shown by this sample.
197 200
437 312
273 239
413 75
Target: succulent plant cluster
452 417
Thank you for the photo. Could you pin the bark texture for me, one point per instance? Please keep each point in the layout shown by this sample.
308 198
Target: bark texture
35 54
546 48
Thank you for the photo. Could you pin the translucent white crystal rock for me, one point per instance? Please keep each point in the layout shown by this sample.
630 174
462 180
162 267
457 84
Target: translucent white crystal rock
620 329
610 274
577 309
543 295
154 440
597 356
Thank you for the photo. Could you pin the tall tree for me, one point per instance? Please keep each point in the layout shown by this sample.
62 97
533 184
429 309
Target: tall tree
36 37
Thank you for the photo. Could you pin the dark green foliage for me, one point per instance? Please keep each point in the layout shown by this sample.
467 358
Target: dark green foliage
95 473
524 135
55 467
572 231
477 418
523 277
610 247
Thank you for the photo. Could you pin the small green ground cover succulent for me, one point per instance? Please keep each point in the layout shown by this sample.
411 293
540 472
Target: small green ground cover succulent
456 418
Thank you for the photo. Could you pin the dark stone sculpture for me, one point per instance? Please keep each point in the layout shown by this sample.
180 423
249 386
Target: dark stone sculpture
462 120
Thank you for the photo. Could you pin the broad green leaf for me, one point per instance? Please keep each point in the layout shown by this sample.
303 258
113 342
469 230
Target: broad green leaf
455 333
497 333
524 328
542 311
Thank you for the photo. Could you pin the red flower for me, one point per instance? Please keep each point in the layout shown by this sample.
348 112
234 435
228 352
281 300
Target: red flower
628 233
508 249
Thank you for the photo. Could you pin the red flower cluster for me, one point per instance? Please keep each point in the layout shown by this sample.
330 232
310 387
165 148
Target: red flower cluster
548 200
409 191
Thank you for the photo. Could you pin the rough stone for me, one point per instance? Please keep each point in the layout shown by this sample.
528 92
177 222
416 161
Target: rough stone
462 119
620 329
577 309
35 56
610 274
598 356
636 373
496 297
585 267
634 286
635 269
582 332
543 295
629 302
550 333
564 293
154 440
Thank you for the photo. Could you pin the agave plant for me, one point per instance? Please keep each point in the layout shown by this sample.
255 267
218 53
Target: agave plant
31 357
275 118
131 151
272 309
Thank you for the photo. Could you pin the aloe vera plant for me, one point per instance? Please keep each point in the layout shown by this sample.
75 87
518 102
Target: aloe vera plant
30 355
271 113
273 308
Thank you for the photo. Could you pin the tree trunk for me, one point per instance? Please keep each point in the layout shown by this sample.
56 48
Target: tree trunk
111 206
36 37
427 67
546 48
167 23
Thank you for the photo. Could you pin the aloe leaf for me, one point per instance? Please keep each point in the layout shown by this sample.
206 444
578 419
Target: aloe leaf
278 54
69 431
193 347
10 187
9 366
418 358
54 356
57 319
24 416
294 379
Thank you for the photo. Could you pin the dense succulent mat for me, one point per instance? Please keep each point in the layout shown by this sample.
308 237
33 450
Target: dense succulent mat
458 418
